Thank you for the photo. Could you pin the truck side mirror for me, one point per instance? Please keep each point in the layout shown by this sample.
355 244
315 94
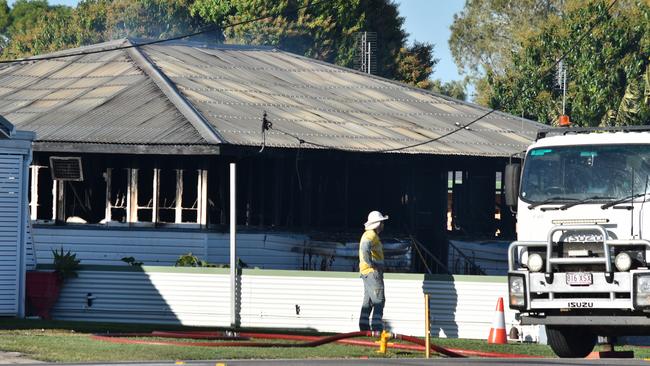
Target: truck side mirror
511 183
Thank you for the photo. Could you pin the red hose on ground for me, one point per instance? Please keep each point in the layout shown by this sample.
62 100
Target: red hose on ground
308 341
118 338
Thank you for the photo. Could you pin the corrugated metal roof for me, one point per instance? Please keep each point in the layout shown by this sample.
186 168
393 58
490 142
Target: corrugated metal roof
113 98
328 105
97 98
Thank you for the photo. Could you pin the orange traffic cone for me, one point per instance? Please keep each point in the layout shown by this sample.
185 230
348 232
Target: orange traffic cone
498 330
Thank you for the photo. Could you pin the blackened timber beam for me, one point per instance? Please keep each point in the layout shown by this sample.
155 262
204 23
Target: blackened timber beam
307 196
223 197
263 168
346 197
249 194
278 188
60 201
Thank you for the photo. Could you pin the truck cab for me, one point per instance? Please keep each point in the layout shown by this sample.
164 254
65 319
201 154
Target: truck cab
580 262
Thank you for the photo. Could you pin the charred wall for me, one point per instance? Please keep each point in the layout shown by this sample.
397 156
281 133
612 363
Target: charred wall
325 193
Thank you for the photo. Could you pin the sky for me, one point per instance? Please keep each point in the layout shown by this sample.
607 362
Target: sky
426 21
429 21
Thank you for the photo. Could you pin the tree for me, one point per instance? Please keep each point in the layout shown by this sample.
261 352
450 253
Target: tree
325 31
415 64
486 32
5 20
37 27
454 88
608 68
95 21
322 30
25 14
153 19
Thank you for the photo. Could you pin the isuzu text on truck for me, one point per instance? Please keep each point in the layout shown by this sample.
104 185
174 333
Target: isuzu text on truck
580 262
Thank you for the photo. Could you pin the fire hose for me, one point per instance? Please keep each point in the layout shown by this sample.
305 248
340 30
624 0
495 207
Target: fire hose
243 339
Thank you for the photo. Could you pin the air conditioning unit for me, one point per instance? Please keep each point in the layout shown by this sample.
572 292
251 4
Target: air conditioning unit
66 168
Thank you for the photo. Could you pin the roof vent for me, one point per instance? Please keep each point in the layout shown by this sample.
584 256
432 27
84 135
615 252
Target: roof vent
66 168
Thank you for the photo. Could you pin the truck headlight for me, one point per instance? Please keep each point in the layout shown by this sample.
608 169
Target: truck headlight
623 262
535 262
641 283
517 291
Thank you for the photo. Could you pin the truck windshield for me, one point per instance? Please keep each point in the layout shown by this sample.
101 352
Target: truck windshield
569 173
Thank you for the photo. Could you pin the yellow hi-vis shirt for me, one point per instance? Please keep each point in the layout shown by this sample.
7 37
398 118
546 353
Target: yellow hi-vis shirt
370 252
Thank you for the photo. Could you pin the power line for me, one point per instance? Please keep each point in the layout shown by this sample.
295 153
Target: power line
183 36
462 127
302 141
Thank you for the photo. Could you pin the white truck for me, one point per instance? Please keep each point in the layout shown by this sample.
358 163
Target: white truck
580 262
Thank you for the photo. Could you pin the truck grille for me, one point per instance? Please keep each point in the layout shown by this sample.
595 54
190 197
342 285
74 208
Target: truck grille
577 250
594 249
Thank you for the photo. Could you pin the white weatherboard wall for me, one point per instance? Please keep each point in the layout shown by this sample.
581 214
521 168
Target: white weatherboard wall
15 157
462 306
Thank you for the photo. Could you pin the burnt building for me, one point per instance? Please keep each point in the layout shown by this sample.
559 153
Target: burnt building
136 141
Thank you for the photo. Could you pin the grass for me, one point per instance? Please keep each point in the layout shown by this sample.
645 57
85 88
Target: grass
63 341
532 349
58 341
64 346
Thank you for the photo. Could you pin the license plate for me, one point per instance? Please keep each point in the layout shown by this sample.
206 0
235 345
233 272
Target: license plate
579 278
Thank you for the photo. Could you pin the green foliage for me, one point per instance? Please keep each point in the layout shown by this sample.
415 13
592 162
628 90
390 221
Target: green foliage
415 64
214 11
5 19
190 260
39 28
608 69
25 14
131 262
65 264
485 32
508 46
325 31
454 88
154 19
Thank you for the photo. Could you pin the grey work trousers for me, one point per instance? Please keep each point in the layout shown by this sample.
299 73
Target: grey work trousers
373 301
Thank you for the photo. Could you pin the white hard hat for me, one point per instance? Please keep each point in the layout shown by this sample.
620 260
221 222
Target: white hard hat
374 220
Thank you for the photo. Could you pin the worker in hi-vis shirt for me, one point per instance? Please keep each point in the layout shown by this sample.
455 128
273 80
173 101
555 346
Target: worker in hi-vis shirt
371 266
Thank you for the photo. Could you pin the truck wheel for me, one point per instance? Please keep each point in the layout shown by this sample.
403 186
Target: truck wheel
570 342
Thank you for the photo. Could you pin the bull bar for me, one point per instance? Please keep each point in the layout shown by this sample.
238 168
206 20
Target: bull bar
604 282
